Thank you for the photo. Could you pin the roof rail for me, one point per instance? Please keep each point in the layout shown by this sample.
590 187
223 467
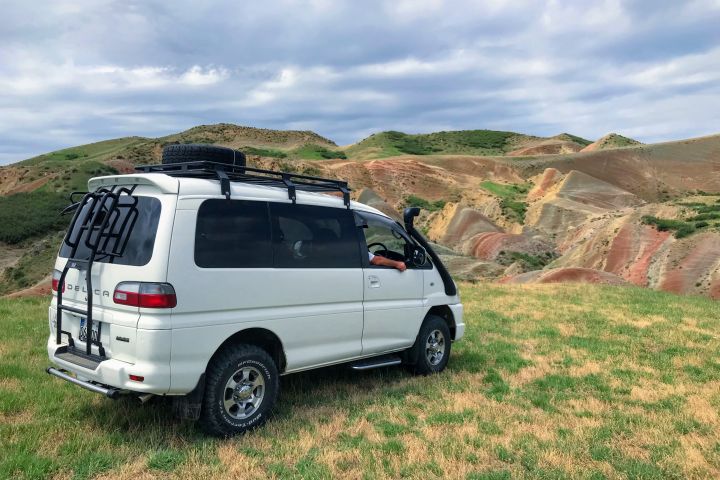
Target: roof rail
256 176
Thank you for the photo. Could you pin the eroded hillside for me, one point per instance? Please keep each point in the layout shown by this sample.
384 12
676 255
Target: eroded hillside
498 205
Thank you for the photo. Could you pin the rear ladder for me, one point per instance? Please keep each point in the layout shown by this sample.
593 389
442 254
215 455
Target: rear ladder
98 213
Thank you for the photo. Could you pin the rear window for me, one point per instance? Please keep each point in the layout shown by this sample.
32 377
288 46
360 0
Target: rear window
141 224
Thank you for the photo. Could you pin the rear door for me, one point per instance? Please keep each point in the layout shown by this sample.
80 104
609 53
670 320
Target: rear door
393 302
146 235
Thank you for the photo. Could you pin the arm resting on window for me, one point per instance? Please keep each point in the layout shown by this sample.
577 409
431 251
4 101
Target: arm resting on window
386 262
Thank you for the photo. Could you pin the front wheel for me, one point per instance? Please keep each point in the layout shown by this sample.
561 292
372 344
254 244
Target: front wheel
431 350
241 390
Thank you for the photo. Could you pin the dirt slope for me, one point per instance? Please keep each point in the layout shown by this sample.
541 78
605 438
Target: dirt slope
547 147
652 172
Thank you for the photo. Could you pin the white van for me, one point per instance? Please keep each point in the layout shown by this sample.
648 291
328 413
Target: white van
205 280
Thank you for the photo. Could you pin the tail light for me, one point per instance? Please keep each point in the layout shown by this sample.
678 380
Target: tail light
146 295
56 280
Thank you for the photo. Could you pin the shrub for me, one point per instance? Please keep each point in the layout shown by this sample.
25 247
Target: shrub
415 201
680 227
412 145
514 208
704 216
27 215
529 262
311 151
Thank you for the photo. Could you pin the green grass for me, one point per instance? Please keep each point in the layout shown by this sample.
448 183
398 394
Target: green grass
94 151
550 381
263 152
503 190
512 198
617 141
75 178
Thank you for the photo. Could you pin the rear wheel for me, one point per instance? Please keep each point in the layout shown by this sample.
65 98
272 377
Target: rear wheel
240 392
431 350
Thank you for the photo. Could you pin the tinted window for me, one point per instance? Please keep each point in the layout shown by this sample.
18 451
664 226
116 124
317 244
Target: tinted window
233 234
307 236
140 228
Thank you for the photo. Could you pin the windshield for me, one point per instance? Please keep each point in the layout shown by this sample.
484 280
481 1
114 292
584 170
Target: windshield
135 228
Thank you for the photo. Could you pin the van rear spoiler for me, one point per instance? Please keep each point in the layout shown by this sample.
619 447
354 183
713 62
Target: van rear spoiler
164 183
409 215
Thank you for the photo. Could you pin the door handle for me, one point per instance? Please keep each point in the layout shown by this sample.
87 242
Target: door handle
373 281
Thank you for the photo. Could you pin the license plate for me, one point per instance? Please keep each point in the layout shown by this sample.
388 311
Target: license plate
95 335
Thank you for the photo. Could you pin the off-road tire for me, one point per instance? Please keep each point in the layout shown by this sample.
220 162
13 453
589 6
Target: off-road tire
421 364
213 417
183 153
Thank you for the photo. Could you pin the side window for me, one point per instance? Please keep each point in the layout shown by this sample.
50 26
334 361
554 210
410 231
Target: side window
306 236
385 238
233 234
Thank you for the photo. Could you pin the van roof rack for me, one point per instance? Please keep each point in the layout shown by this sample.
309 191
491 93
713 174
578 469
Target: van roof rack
257 176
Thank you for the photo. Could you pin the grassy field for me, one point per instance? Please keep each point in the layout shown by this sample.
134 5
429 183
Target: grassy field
551 381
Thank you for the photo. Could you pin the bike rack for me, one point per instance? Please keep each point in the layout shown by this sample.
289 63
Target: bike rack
98 213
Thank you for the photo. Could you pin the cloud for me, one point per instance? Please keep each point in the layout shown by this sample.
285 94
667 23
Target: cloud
83 71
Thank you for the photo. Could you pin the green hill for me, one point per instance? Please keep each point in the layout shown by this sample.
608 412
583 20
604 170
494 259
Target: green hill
463 142
139 150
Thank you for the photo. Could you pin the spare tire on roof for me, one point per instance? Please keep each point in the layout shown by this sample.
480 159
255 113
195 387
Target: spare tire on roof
202 153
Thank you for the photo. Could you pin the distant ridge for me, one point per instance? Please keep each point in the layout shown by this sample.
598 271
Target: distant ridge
611 140
464 142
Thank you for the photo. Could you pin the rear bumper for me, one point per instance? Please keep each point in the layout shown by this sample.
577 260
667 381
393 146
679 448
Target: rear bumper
457 311
115 374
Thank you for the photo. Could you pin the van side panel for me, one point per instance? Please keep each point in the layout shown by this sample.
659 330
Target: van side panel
316 313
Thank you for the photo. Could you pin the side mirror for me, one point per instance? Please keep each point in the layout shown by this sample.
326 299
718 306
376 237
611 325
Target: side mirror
419 256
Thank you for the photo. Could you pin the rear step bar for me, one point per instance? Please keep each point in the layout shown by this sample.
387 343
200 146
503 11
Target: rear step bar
378 362
78 357
108 392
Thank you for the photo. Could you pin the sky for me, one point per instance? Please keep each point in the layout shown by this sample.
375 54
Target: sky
88 70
